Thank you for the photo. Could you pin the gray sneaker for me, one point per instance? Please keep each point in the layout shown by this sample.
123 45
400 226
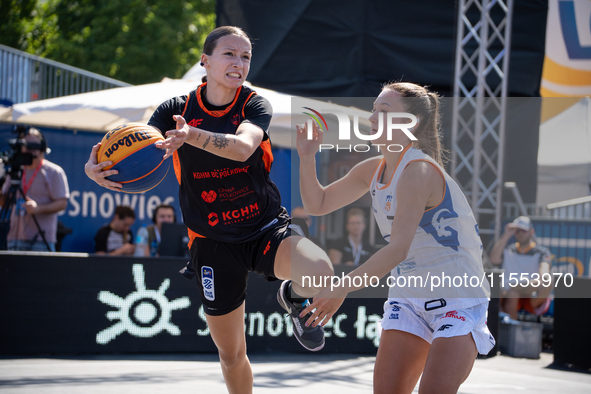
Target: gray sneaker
311 338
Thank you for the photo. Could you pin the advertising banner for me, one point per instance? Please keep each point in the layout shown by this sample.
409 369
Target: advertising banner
62 304
91 206
567 63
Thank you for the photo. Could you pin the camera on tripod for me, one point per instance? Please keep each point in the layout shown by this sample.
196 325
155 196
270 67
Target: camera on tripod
13 162
13 159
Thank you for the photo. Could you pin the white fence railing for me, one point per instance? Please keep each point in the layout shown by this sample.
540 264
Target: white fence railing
578 208
25 77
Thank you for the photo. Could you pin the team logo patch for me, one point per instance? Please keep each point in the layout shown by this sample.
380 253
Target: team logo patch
406 267
195 122
207 282
388 203
212 219
267 248
209 196
454 315
440 222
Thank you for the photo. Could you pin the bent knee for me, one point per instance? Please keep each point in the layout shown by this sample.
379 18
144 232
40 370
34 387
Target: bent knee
232 357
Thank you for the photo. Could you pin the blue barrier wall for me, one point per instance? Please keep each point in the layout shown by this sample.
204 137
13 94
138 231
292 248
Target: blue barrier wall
569 242
91 206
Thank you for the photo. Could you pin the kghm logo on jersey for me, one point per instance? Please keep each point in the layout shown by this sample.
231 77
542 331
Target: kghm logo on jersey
207 282
388 203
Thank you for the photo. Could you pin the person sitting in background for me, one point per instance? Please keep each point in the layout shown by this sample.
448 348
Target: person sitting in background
147 242
115 238
526 261
46 193
351 250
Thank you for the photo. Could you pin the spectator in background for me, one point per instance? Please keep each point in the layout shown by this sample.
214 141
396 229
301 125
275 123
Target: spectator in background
351 250
526 260
46 193
115 238
147 242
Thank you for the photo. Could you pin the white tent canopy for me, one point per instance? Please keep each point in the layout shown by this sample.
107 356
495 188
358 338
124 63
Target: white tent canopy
101 111
564 155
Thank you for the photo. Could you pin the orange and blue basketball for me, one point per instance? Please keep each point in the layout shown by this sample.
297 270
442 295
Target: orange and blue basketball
131 149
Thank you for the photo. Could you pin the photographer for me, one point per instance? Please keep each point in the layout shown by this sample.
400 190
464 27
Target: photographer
43 193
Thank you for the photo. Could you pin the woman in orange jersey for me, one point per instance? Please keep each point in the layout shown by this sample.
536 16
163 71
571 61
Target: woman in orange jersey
218 138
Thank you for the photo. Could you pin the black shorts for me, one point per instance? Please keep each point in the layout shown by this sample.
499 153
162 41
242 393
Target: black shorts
222 268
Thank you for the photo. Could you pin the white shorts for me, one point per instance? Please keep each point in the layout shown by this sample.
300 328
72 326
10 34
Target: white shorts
434 324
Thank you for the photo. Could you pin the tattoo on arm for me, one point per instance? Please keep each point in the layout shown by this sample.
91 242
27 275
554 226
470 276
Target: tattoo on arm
206 141
220 141
198 136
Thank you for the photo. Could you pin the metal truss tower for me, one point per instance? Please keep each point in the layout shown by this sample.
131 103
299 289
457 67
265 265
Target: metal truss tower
480 93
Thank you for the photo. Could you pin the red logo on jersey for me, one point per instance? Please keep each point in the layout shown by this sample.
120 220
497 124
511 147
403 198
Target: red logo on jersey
235 120
209 197
242 213
453 314
267 247
239 215
213 219
195 122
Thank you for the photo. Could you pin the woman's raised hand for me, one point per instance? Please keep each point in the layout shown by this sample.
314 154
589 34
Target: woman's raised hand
175 138
308 146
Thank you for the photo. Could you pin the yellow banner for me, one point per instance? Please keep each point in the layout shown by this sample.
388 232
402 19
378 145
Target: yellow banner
567 65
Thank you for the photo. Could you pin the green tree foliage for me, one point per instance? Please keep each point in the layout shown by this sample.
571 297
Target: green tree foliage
14 17
136 41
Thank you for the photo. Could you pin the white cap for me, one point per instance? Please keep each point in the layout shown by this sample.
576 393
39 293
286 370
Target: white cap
523 222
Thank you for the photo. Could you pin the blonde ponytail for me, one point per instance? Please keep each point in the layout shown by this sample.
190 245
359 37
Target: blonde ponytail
425 106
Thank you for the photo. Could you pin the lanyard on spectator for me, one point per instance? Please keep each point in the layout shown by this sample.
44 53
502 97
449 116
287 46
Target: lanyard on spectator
25 185
355 250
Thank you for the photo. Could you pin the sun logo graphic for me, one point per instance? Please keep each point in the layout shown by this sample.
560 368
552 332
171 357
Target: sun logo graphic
143 313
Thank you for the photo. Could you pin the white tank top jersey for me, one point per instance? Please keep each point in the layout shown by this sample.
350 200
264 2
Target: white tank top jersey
446 244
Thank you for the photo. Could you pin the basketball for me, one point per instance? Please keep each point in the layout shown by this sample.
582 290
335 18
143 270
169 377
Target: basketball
131 149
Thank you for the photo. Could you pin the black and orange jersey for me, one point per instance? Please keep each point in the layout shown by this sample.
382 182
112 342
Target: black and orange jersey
223 199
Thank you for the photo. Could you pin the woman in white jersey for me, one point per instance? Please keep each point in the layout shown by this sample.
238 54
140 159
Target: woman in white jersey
430 230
